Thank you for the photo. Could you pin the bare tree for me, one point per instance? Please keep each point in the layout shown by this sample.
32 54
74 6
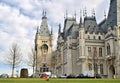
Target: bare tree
14 58
32 59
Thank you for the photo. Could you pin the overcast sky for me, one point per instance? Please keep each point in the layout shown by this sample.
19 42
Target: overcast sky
20 18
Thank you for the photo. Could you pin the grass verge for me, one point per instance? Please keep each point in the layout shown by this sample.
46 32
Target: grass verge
38 80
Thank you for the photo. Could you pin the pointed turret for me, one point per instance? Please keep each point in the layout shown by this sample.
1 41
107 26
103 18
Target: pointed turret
80 25
44 31
93 13
59 31
75 15
105 15
37 29
44 14
37 33
36 37
85 12
66 14
51 30
51 37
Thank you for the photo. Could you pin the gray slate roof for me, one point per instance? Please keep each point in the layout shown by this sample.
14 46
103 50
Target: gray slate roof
44 31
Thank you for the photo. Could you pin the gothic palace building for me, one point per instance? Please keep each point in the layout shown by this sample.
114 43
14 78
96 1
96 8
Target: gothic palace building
85 47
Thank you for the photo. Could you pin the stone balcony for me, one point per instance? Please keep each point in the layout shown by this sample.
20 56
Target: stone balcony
110 57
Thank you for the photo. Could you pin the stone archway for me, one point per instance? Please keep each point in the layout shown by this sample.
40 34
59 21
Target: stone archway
111 71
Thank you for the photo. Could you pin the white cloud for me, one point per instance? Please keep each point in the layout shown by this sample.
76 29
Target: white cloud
16 27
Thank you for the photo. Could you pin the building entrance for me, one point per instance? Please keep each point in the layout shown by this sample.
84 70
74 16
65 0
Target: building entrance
111 71
44 68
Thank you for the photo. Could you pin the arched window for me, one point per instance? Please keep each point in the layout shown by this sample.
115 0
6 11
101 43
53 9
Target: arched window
108 49
44 48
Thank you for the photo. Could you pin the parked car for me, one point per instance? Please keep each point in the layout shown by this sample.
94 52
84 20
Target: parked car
98 76
79 76
71 76
44 76
62 76
4 76
53 76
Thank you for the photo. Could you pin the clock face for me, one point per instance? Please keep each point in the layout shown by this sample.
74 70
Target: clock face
44 48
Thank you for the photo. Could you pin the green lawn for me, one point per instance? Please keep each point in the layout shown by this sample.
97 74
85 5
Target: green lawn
38 80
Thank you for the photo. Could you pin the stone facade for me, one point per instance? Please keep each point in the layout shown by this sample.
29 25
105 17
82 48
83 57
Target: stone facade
43 47
90 48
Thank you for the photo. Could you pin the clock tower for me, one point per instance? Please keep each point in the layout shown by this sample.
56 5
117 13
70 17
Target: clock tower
43 46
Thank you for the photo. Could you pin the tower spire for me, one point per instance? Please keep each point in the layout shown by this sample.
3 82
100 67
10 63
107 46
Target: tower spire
66 13
85 12
75 14
44 13
44 30
37 29
51 30
80 17
59 31
93 12
105 14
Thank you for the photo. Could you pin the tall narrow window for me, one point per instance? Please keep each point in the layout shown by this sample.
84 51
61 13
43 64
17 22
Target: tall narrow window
80 35
90 66
108 49
94 37
96 68
94 52
89 49
100 52
99 37
119 31
88 37
101 68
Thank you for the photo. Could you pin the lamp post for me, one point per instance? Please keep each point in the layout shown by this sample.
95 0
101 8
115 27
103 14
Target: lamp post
17 71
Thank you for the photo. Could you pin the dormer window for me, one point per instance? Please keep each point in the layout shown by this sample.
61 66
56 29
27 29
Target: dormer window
99 37
88 37
94 37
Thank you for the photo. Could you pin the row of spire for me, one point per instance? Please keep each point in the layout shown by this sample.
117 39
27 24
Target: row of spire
84 13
